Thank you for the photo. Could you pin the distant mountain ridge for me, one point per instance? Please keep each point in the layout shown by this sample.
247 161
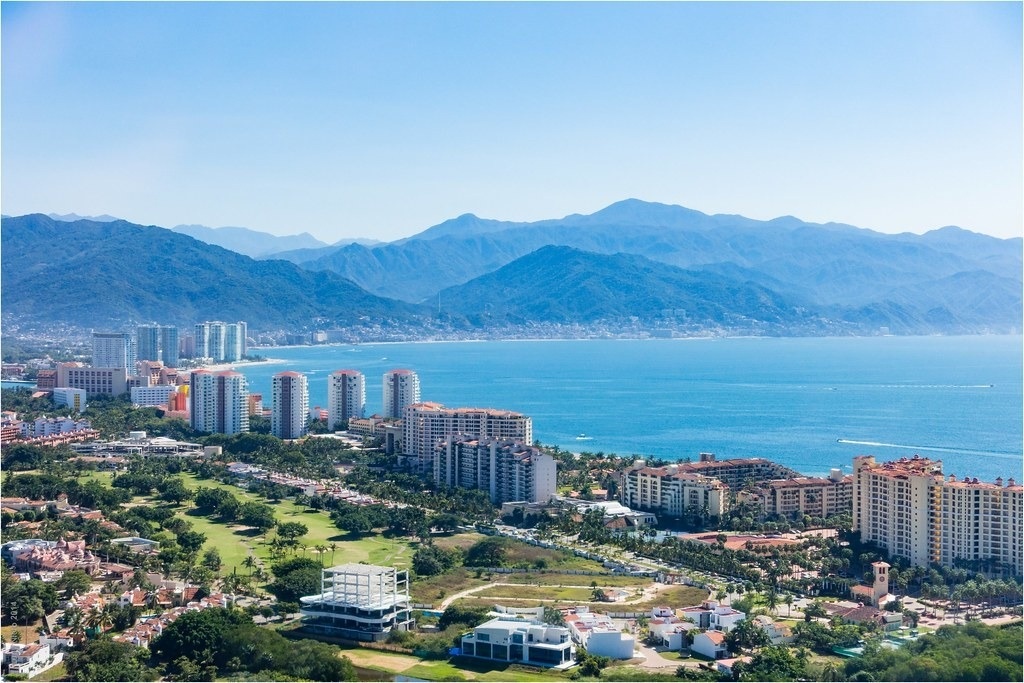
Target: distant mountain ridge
251 243
828 264
631 266
118 273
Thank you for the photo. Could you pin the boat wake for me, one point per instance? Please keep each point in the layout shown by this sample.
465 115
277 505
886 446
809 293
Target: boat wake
934 449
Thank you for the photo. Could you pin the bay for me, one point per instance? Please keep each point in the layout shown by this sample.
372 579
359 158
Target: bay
808 403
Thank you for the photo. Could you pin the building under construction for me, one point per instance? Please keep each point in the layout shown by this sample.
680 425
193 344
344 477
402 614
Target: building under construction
359 602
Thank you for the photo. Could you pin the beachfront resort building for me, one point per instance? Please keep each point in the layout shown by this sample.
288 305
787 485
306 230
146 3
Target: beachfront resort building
220 402
289 417
909 508
359 602
425 425
508 470
671 491
346 396
401 390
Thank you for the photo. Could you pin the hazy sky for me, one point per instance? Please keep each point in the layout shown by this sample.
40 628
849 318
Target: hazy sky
381 119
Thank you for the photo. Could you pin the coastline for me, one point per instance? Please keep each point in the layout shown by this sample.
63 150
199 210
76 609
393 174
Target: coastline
219 367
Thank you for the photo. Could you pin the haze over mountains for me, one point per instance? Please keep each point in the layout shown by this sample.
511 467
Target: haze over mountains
632 263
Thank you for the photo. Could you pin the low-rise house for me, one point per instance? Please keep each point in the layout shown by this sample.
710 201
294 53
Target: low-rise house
672 630
26 658
522 641
710 644
61 640
599 635
778 634
725 666
712 615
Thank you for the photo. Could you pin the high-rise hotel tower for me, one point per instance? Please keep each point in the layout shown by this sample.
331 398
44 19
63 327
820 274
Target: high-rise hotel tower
401 389
291 405
346 396
220 402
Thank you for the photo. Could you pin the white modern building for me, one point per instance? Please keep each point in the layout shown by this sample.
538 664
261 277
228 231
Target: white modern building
507 469
346 396
220 402
26 658
157 395
401 389
234 341
599 635
70 397
359 602
289 417
522 641
425 425
113 350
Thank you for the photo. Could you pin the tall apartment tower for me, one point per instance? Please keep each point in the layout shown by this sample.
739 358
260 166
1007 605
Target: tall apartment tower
220 402
201 343
401 389
346 396
169 346
424 425
291 405
113 350
147 342
234 341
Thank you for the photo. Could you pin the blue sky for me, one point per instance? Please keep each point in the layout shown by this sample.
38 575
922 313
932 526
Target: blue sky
381 119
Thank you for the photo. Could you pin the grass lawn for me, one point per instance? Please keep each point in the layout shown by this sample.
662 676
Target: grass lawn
458 540
674 595
433 589
554 579
558 593
53 674
235 543
463 668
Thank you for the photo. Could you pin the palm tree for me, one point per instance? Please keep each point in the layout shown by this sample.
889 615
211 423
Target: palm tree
99 619
334 546
250 563
772 600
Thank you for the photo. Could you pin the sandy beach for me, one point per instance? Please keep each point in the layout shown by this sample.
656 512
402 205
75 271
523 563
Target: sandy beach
236 364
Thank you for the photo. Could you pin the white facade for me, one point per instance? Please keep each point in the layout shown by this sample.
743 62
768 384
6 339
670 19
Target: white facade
234 341
982 522
425 425
26 658
113 350
153 395
220 402
346 396
711 644
70 397
671 491
96 380
401 389
598 634
288 419
519 640
507 469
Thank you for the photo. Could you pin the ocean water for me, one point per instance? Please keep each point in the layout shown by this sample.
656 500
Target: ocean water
809 403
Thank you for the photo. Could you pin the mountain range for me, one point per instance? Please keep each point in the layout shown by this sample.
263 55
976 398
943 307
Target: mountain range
632 263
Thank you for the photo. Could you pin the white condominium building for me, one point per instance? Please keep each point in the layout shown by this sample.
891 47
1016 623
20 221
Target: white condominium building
401 389
346 396
799 496
220 402
907 507
982 523
508 470
288 419
113 350
671 491
425 425
157 395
